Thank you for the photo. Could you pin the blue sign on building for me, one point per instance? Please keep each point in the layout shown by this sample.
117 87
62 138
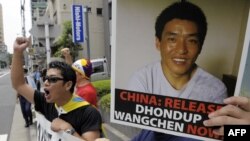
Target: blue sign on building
77 23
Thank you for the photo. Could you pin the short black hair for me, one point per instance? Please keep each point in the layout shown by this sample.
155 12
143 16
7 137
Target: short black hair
66 71
186 11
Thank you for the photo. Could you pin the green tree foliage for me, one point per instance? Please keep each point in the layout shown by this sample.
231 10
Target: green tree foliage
65 40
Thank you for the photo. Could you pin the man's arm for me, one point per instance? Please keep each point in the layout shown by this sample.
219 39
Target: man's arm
17 74
91 135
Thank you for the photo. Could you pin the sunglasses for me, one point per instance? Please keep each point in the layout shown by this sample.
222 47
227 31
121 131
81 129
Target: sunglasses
53 79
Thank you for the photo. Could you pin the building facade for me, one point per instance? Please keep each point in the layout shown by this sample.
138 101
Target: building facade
3 48
60 11
37 52
98 16
1 26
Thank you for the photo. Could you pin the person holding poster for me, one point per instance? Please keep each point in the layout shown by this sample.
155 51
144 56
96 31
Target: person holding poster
180 31
66 111
237 111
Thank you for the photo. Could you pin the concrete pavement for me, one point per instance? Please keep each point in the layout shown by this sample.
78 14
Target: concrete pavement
18 131
3 71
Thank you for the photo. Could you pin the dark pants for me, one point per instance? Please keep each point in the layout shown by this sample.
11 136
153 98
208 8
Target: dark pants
38 85
26 110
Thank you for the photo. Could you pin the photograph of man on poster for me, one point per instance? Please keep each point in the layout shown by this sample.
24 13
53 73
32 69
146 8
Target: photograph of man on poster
180 50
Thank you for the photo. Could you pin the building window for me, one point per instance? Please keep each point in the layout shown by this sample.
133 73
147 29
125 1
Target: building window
110 11
64 6
99 11
88 9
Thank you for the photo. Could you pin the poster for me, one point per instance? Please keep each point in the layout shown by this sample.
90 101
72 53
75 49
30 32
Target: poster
133 46
165 114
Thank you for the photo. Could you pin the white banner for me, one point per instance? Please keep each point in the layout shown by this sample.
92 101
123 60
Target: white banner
44 132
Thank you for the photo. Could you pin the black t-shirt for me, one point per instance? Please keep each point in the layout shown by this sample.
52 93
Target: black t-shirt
83 119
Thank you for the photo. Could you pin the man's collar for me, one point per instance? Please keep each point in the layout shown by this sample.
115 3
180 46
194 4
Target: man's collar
74 103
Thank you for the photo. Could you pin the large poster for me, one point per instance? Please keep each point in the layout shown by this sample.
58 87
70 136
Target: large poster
134 46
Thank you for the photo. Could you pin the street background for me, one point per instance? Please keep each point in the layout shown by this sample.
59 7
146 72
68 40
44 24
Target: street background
12 122
7 103
11 119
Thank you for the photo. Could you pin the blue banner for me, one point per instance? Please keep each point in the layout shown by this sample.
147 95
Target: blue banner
77 23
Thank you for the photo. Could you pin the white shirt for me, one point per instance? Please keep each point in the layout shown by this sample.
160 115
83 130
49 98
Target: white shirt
202 86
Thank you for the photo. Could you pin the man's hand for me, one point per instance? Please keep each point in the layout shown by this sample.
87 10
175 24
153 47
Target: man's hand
59 125
67 56
21 43
237 111
65 52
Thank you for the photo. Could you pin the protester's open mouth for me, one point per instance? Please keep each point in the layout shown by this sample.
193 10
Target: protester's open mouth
46 92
